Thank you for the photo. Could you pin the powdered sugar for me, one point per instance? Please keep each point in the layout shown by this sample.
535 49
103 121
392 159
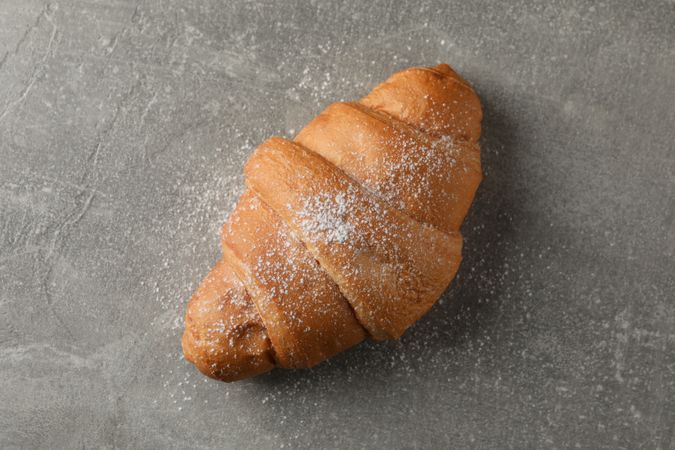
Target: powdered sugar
327 215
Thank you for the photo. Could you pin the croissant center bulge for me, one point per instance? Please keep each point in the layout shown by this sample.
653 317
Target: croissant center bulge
349 231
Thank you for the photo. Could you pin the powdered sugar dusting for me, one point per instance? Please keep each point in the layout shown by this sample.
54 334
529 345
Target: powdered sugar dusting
326 215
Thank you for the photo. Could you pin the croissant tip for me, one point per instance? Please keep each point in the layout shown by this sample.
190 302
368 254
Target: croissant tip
443 67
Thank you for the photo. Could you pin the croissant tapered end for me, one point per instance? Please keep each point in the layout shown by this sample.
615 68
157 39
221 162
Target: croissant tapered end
434 99
224 336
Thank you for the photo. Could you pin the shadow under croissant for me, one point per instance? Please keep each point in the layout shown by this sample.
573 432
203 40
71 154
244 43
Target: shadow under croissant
470 306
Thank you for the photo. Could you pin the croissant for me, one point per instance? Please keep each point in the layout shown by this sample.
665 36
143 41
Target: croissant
349 231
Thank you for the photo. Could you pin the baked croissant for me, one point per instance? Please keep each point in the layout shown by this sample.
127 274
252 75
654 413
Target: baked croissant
351 230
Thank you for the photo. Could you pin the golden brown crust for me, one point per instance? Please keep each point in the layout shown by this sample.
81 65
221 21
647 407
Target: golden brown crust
390 267
224 336
306 317
435 100
431 179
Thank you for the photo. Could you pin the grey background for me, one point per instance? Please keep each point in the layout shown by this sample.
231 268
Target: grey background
123 130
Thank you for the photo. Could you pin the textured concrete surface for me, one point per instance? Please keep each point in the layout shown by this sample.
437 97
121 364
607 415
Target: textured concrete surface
123 130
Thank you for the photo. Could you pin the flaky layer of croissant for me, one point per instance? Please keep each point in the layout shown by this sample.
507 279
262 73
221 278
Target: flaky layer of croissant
349 231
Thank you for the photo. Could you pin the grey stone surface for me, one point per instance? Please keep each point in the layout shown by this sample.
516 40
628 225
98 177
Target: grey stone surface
123 130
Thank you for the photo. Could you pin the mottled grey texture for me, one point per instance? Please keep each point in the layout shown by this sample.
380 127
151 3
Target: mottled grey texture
123 130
